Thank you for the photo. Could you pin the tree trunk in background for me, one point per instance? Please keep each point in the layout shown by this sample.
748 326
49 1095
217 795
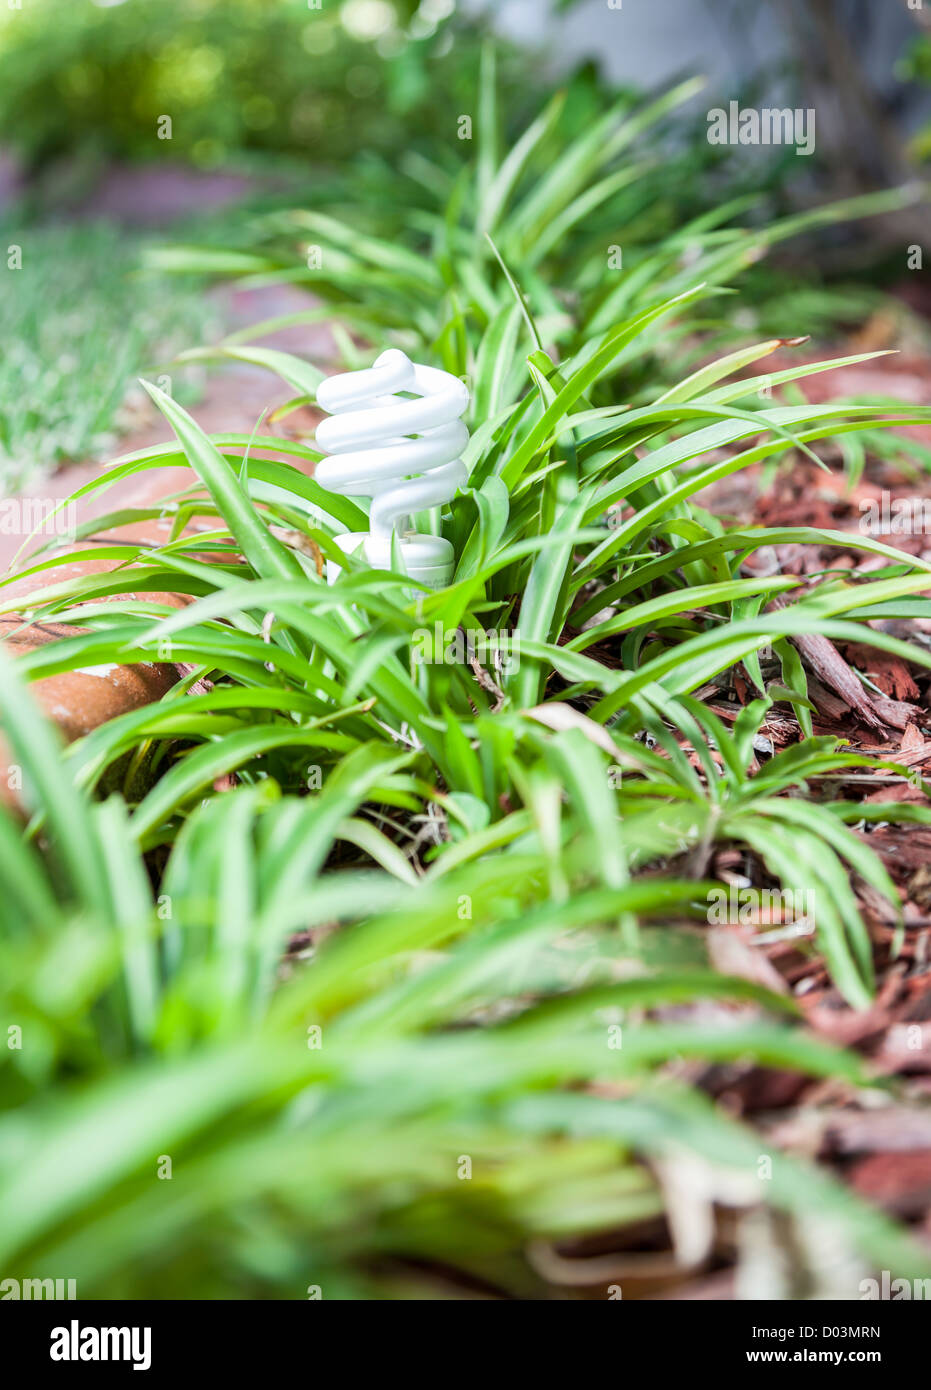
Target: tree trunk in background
858 141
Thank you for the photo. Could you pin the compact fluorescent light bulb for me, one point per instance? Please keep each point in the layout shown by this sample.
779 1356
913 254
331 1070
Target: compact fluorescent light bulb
402 453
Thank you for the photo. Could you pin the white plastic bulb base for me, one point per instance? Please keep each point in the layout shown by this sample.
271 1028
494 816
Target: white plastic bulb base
429 560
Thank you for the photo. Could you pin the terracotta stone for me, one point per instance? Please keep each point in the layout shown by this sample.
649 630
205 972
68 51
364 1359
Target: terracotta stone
78 701
81 700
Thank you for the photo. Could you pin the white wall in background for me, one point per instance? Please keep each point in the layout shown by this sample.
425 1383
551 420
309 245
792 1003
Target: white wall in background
648 42
645 41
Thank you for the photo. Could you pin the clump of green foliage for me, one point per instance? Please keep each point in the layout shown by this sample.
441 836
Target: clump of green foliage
599 211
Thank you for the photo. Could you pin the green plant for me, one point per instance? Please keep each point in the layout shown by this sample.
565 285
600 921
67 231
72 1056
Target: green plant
314 1132
661 597
571 231
488 858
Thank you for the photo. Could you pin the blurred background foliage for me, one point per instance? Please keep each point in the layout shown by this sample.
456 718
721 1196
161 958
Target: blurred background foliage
323 79
915 66
61 397
352 107
78 76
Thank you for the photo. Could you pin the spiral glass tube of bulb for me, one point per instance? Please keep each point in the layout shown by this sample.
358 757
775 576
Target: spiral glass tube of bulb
394 435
